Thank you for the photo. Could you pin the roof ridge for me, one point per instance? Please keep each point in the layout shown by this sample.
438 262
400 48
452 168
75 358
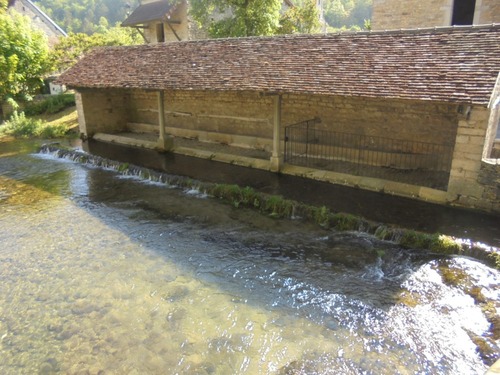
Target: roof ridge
440 29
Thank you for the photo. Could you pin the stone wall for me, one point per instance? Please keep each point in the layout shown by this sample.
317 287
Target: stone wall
487 12
399 119
470 183
242 119
410 14
102 111
489 180
223 117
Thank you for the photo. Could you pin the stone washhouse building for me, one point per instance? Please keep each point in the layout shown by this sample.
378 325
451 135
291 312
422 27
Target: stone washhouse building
412 113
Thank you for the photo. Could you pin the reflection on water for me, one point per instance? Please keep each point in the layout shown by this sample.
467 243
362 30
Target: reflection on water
102 274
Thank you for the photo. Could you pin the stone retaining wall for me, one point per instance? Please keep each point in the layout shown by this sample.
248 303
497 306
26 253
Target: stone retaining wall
250 114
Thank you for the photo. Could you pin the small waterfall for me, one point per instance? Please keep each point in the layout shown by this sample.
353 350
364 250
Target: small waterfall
489 255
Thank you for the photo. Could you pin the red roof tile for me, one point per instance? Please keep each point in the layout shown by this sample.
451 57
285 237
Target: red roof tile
458 64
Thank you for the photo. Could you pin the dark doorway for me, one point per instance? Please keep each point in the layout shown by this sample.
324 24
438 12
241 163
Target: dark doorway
160 33
463 12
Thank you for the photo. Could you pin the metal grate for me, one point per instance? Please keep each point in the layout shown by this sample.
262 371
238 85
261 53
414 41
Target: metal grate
412 162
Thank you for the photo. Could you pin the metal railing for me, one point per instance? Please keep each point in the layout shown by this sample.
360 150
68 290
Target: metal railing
407 161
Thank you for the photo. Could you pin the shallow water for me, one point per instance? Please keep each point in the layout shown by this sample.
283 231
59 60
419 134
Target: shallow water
104 274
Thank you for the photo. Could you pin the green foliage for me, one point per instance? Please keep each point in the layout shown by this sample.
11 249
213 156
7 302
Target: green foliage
300 19
321 216
435 242
70 49
253 17
24 57
347 14
3 5
21 126
52 104
342 221
495 256
53 131
24 127
240 18
278 207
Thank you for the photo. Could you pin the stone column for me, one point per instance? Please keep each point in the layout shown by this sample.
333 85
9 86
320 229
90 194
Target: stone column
467 156
277 155
164 142
80 110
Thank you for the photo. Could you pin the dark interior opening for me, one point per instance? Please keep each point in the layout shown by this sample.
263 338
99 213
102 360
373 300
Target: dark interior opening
463 12
160 33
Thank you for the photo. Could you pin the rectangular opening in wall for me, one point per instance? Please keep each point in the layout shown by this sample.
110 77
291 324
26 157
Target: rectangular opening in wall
160 33
463 12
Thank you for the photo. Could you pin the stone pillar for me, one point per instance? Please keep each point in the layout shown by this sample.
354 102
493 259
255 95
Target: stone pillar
82 124
164 142
277 155
467 156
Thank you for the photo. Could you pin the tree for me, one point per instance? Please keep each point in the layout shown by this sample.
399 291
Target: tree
236 18
70 49
83 16
353 14
302 18
24 57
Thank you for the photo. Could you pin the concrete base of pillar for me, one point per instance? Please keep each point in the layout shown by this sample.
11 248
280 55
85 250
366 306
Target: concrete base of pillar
276 163
166 144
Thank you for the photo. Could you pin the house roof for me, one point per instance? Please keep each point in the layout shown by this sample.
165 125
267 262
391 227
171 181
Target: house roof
457 64
147 13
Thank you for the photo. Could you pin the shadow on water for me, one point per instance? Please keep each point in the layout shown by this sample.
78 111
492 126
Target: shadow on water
383 208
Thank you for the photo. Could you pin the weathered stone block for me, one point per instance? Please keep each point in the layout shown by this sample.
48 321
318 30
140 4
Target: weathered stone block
467 188
465 164
433 195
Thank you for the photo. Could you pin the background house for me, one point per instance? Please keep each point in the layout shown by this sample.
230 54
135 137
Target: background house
158 21
410 14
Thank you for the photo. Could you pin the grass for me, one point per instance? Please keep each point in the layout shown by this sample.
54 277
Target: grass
46 125
50 105
52 117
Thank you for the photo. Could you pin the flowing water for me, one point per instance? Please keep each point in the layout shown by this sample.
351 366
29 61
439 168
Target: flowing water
105 274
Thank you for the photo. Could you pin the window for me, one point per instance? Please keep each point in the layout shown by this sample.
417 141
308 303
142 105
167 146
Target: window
463 12
160 33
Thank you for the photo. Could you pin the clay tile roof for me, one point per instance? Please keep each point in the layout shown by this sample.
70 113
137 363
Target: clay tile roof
147 13
457 64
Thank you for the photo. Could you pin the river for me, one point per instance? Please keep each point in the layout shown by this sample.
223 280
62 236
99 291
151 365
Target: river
107 274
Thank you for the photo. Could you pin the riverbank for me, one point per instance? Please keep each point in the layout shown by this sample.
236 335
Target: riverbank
63 123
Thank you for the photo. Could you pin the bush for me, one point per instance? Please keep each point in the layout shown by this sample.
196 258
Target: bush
53 131
52 104
21 126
